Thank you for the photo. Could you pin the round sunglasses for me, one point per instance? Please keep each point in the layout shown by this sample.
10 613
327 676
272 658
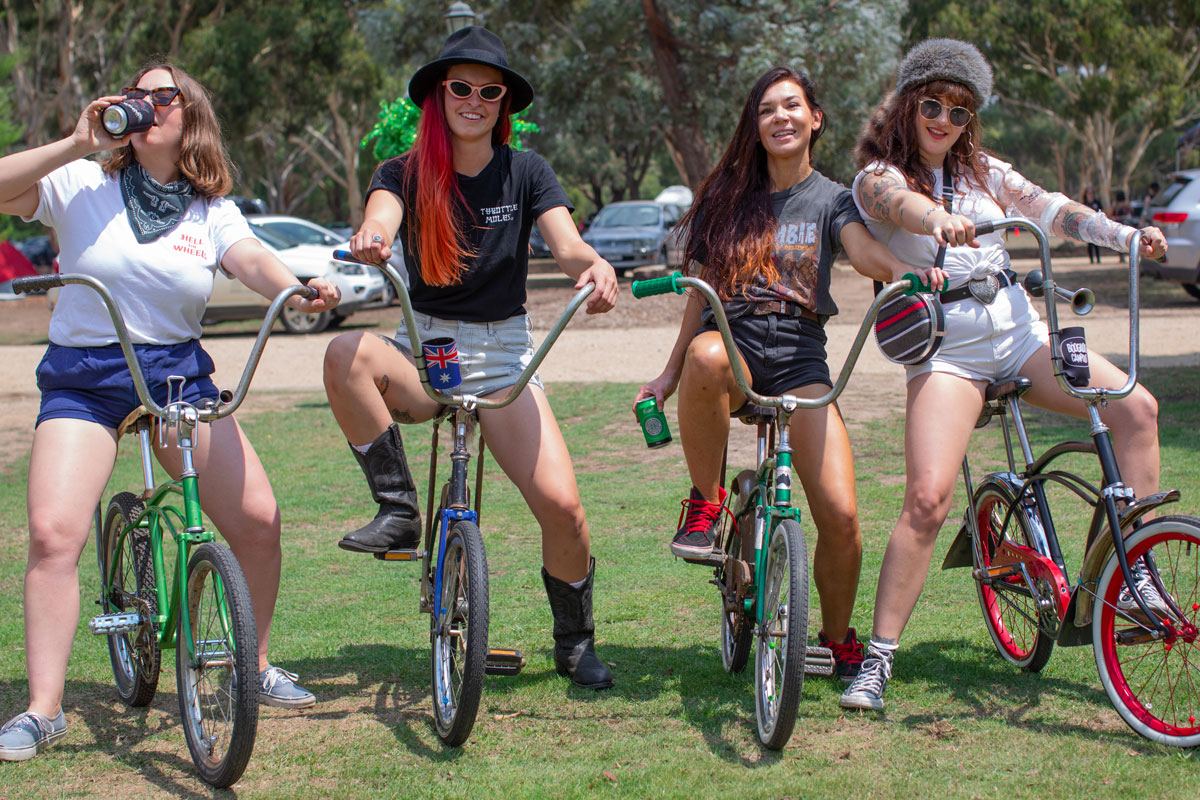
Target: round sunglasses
931 109
162 96
489 92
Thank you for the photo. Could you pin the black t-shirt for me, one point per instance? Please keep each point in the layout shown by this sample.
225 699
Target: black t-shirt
809 220
502 203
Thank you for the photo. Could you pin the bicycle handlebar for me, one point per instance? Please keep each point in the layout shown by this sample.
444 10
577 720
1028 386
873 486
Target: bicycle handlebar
1094 393
789 403
228 403
467 401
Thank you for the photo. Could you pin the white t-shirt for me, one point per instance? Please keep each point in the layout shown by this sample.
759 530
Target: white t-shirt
917 250
161 287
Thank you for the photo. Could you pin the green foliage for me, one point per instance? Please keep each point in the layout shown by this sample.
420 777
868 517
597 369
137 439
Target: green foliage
396 128
11 132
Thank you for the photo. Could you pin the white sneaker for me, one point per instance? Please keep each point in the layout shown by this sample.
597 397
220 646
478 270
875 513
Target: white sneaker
1146 588
866 690
24 736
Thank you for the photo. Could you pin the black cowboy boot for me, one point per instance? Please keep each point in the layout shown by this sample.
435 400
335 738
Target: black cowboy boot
397 526
574 645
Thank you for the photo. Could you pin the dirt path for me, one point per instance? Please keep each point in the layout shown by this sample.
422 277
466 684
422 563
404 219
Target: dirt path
632 343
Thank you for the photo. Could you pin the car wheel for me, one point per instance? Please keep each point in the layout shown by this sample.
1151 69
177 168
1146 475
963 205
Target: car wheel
389 293
295 321
1193 289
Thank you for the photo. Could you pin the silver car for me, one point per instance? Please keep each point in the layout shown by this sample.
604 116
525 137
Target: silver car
1176 211
633 233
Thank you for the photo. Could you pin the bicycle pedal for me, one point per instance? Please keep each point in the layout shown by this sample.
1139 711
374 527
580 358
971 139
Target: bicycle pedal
715 559
107 624
501 661
401 555
818 660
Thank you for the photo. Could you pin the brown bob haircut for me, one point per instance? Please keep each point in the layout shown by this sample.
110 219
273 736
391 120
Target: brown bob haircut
202 158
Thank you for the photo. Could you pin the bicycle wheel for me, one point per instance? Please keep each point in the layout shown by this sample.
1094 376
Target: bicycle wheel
459 635
782 638
1154 683
1009 611
128 559
736 628
217 670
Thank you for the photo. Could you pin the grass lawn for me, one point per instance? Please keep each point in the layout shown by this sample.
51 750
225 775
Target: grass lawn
960 722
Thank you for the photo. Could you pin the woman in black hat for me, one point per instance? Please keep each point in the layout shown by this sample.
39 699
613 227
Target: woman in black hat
463 202
922 136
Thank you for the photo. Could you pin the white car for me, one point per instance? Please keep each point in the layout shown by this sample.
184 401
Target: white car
369 289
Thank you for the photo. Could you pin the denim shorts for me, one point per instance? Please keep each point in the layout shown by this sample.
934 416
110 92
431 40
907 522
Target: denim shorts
491 355
782 352
94 384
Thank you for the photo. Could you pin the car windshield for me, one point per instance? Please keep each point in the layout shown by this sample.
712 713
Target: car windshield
271 238
298 233
1172 190
637 216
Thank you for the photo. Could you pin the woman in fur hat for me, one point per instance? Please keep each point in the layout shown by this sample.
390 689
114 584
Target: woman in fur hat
924 135
463 202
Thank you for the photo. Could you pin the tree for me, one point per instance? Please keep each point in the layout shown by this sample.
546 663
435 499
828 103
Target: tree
10 132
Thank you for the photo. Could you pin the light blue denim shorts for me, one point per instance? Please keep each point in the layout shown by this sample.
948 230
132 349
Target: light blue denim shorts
491 355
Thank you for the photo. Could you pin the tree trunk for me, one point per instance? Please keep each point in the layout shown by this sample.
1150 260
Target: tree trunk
684 137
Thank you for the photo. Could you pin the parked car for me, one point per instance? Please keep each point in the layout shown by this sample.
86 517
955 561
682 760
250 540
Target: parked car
633 233
368 287
1176 210
537 245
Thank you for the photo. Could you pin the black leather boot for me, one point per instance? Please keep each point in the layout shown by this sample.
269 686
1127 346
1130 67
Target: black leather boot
397 526
574 643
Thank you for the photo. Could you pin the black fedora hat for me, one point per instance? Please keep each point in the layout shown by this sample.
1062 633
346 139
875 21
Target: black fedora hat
472 45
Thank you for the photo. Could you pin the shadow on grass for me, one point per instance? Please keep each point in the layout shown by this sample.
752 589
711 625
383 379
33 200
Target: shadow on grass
976 677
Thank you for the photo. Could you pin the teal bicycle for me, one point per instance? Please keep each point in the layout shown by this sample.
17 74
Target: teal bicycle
760 555
205 612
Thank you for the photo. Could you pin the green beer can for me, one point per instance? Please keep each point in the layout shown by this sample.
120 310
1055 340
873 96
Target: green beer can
653 422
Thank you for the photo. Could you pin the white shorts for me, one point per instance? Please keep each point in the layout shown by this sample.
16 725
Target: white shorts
491 355
988 342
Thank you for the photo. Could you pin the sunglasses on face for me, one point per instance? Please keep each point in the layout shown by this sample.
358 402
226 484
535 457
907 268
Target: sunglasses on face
489 92
931 109
162 96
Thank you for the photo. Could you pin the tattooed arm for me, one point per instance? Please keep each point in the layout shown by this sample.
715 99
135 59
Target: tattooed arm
885 196
1060 215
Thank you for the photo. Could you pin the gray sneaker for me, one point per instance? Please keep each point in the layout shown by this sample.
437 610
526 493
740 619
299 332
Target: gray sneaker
24 736
277 687
1149 592
866 691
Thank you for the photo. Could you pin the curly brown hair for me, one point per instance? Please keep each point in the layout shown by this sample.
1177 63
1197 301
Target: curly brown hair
203 159
890 137
730 228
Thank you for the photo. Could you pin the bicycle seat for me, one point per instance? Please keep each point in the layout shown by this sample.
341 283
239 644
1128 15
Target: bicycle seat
129 424
998 394
752 414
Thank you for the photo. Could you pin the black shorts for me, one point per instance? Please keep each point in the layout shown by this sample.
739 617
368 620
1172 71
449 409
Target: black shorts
783 352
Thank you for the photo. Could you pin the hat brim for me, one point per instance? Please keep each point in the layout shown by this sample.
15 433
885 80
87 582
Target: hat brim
425 79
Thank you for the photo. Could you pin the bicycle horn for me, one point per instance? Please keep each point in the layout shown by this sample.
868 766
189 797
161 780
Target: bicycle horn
1082 300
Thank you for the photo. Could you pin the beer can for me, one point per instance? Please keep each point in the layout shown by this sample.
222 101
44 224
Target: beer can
653 422
128 116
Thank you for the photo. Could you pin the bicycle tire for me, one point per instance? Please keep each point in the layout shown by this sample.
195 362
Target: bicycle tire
218 689
1011 617
459 634
782 638
1154 684
737 629
135 655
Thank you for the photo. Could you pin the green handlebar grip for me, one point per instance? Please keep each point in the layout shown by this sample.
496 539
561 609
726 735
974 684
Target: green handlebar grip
667 283
915 284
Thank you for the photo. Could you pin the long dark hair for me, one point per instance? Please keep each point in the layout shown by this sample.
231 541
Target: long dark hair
730 226
890 136
436 233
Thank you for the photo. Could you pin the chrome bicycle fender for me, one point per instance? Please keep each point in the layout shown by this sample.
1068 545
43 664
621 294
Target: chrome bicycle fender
1083 599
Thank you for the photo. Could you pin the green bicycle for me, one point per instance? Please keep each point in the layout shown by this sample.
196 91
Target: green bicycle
206 613
760 556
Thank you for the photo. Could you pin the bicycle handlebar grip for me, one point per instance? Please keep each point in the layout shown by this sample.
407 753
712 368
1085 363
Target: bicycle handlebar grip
36 283
984 228
309 293
667 283
346 255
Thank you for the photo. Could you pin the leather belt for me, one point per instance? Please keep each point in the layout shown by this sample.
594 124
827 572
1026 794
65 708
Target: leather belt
786 308
964 292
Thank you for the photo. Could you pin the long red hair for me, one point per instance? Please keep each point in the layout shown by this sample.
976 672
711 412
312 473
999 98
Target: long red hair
731 225
438 235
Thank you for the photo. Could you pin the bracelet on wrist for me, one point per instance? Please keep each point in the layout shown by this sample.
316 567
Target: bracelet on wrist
925 219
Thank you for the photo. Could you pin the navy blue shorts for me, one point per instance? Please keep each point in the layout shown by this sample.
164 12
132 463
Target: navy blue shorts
782 352
94 384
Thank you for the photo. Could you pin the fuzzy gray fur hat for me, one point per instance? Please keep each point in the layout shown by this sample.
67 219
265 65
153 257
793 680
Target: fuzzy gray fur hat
949 60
